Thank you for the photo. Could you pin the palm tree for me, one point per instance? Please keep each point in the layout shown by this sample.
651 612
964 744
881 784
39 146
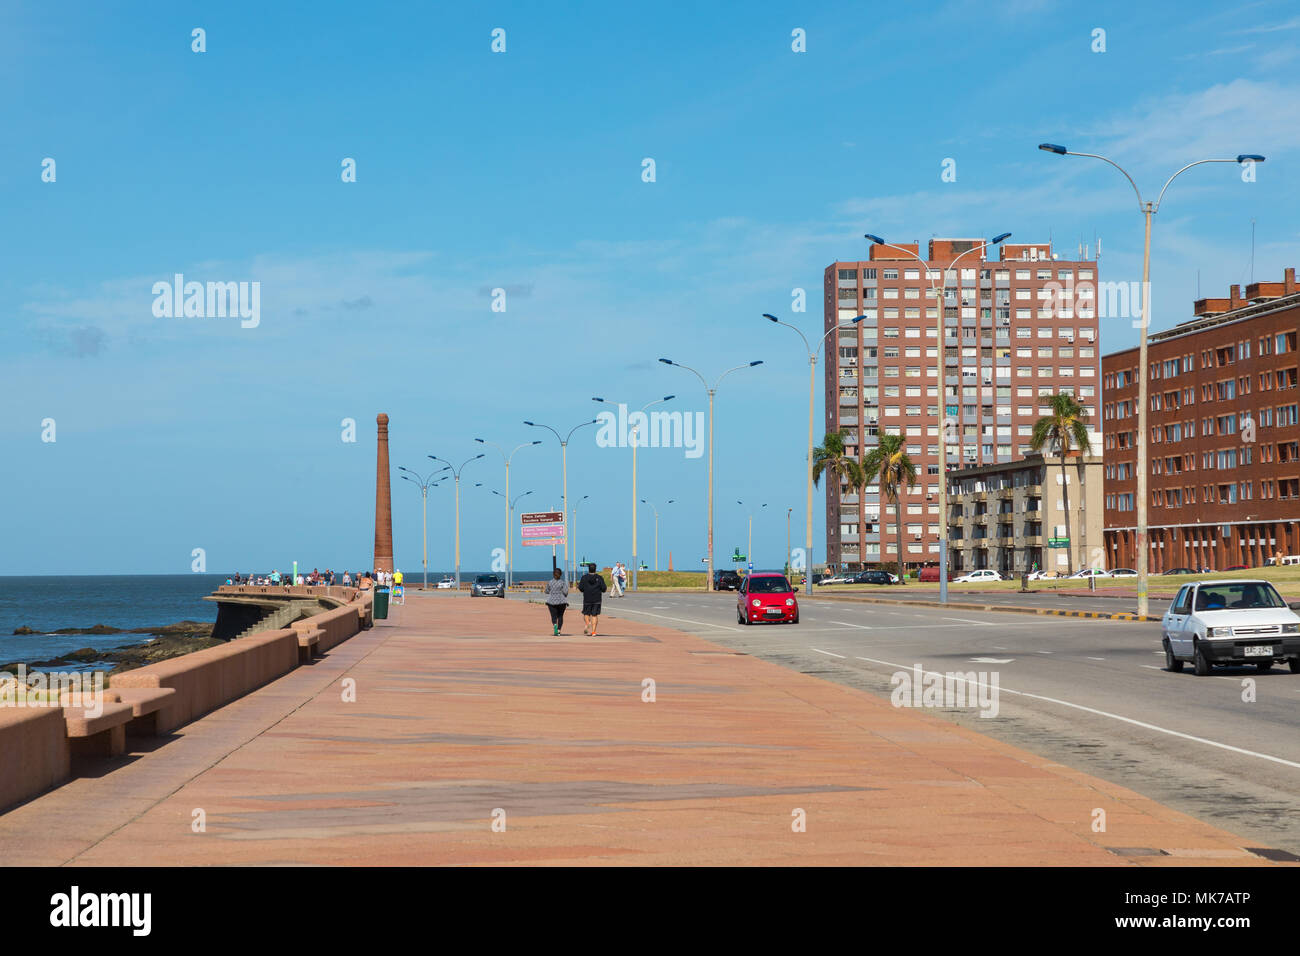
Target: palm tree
832 458
1066 428
888 464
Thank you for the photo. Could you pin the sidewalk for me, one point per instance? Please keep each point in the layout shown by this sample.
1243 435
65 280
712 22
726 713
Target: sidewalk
468 708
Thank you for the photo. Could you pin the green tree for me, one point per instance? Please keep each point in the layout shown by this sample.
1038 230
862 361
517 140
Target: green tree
832 458
1065 427
889 465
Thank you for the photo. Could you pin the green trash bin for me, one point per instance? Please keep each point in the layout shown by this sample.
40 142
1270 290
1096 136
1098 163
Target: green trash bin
381 603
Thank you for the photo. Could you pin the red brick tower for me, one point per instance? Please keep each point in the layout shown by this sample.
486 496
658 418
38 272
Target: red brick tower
383 501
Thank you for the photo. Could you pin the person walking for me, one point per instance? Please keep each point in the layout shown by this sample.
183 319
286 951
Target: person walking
592 586
557 599
616 576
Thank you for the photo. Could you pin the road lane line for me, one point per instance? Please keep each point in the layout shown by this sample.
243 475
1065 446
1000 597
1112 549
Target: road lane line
682 620
966 621
1096 658
1102 713
865 627
831 653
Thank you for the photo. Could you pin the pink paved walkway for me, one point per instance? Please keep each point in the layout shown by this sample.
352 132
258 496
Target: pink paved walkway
468 707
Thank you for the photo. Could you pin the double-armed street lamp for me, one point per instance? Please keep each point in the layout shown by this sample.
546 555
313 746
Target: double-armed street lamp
712 391
634 440
749 546
564 480
507 458
575 527
937 280
812 403
510 556
456 472
647 501
425 483
1148 209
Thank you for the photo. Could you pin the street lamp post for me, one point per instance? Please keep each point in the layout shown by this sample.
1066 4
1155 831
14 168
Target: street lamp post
510 510
812 402
456 472
634 439
712 390
749 545
575 529
788 569
1148 209
425 484
647 501
564 480
937 289
509 534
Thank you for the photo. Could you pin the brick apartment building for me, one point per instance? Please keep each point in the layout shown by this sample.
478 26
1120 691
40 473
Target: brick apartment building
1017 329
1224 435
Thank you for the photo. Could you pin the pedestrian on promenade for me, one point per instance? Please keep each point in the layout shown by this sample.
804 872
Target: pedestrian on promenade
347 579
592 586
557 599
620 579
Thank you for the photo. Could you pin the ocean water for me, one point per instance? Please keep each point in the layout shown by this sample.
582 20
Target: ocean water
127 600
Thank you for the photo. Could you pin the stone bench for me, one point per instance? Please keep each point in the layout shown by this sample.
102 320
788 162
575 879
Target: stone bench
34 752
103 735
146 702
308 643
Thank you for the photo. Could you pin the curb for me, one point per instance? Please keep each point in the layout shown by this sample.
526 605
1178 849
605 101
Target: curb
1013 609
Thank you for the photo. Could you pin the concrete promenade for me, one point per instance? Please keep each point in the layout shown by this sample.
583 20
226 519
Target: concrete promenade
468 710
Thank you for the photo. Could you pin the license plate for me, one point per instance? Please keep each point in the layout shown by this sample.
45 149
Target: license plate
773 610
1258 650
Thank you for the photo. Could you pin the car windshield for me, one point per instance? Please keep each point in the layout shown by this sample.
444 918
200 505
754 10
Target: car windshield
487 579
1236 597
772 585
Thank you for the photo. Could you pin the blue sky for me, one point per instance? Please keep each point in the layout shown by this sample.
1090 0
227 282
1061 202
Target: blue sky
523 170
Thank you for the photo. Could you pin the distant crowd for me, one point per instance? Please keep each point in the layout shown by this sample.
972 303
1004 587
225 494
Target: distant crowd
326 578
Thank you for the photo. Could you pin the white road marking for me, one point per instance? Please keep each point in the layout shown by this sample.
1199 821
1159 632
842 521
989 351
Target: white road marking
1103 713
991 660
847 624
1096 658
683 620
832 654
966 621
1151 667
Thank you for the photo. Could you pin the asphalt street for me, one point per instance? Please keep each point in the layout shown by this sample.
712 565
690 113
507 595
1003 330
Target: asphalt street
1089 693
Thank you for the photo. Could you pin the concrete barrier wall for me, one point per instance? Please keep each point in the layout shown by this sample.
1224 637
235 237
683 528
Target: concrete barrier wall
204 680
34 752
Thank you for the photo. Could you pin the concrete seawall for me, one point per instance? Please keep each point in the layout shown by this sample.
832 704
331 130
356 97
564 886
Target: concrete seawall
37 741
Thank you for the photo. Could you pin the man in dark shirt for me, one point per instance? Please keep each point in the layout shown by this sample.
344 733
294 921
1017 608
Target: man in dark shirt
592 586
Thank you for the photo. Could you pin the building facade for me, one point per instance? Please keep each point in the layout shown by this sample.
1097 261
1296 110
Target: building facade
1012 516
1017 330
1224 435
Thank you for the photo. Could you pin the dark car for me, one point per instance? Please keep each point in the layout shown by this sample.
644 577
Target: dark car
1237 567
726 581
872 577
1180 571
487 585
767 596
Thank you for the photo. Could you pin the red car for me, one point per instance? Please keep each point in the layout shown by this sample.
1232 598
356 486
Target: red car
767 597
930 574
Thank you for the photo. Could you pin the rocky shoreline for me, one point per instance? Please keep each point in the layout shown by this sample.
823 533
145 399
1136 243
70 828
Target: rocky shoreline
170 640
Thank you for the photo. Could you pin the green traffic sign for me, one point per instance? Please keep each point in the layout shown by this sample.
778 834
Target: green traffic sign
1058 542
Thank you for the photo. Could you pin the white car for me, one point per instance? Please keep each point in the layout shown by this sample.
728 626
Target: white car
447 582
1230 622
1123 573
983 574
1091 573
1044 575
836 579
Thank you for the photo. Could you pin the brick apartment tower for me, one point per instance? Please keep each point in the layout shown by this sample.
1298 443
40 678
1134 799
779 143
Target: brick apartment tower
1016 331
1224 442
383 500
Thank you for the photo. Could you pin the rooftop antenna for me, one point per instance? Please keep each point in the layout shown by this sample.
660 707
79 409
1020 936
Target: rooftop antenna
1198 285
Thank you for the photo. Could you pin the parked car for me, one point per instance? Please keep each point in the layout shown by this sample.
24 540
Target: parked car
447 582
487 585
1045 575
1237 567
840 578
983 574
1180 571
1230 622
1123 573
874 577
766 596
724 580
930 574
1091 573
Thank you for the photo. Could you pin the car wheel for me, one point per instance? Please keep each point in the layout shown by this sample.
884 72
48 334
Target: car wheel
1199 663
740 618
1295 665
1264 665
795 619
1171 663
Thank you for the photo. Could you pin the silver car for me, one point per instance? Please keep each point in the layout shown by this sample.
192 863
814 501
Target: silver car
1230 622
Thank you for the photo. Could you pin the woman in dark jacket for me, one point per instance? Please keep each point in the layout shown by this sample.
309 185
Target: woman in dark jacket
557 599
